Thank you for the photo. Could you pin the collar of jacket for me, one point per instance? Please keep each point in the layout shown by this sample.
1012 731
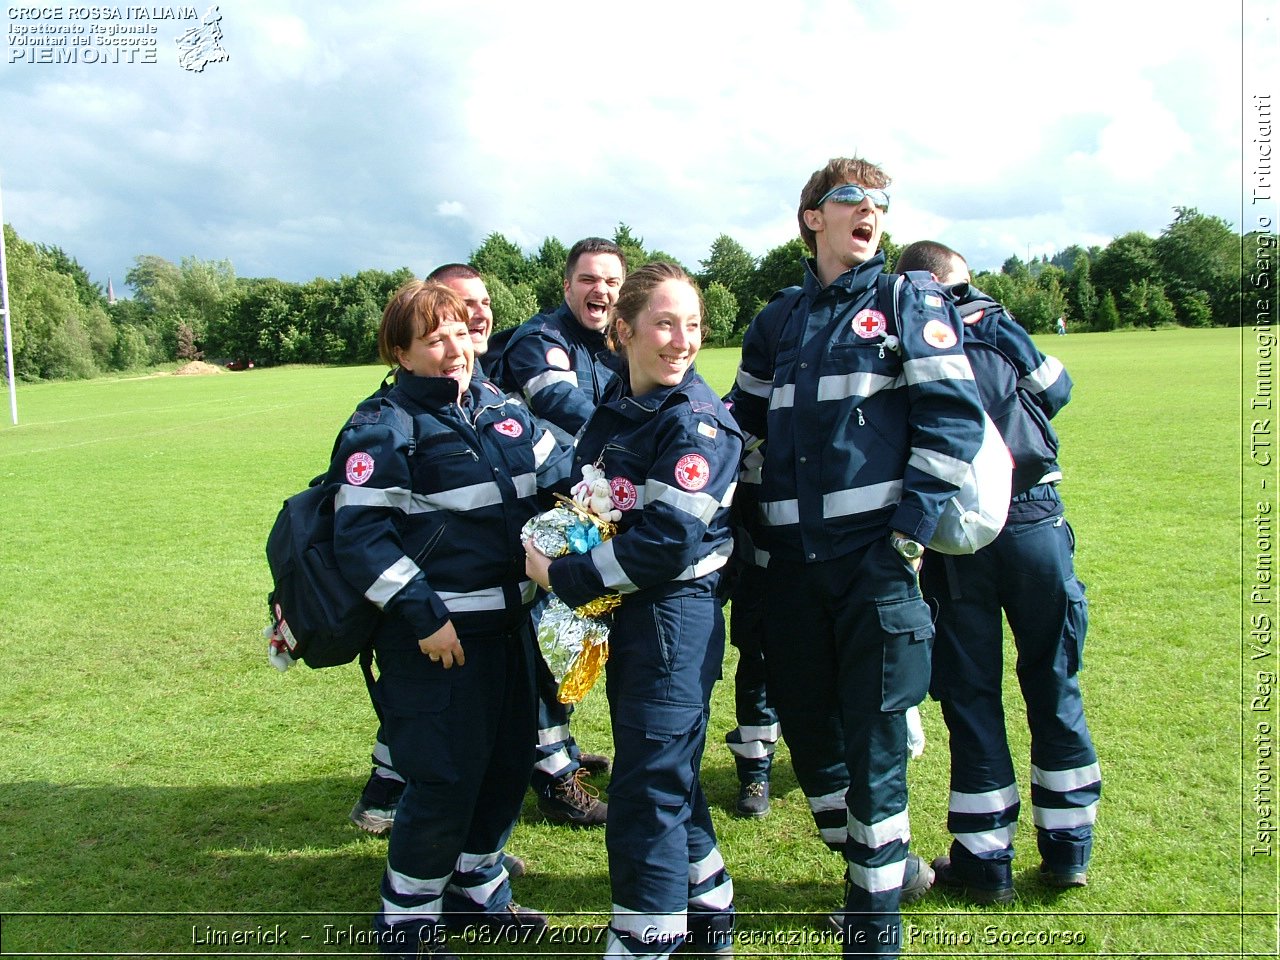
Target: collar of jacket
434 393
854 280
642 408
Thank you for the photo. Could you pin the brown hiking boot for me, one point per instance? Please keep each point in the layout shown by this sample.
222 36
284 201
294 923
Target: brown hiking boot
569 800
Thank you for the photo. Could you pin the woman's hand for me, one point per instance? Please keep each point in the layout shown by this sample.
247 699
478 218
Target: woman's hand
442 647
537 566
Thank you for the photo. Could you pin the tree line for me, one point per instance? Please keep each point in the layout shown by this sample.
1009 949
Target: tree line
63 326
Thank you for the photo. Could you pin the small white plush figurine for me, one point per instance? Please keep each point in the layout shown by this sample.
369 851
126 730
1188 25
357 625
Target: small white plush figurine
592 493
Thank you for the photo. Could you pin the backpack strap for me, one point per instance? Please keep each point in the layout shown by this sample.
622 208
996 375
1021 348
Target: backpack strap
781 303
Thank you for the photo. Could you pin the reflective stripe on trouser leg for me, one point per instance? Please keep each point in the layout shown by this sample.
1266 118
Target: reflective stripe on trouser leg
556 756
847 651
463 740
1049 632
753 741
801 671
666 873
383 767
968 666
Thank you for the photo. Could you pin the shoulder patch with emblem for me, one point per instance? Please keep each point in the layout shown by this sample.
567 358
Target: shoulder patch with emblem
939 336
557 358
510 427
869 323
623 493
692 471
359 468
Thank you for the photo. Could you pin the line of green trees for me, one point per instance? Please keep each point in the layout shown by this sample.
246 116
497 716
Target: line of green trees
1194 274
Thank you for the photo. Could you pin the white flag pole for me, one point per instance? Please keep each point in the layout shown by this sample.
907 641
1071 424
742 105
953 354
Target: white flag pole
4 309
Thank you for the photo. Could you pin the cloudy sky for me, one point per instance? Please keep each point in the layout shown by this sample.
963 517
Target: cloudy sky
339 137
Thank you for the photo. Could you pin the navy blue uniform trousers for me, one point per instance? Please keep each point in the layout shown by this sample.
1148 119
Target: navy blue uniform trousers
846 647
753 741
463 741
1027 572
665 870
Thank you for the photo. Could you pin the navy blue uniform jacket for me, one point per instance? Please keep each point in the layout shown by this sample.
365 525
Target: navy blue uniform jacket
561 368
671 458
428 527
868 424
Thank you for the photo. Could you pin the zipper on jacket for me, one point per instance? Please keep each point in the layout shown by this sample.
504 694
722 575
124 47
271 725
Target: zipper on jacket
862 421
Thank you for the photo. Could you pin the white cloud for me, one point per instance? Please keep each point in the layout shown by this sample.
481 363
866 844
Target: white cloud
337 137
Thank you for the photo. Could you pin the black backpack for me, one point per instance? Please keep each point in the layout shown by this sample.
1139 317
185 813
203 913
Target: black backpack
321 617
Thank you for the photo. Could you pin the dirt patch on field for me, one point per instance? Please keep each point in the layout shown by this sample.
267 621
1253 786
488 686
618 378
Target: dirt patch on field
197 368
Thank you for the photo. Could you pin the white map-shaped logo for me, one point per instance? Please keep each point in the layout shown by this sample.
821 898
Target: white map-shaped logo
202 45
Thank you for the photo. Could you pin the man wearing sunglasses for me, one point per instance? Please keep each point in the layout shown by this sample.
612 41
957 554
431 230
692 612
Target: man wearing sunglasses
864 404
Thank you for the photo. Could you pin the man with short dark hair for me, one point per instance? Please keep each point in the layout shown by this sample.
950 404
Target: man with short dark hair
861 395
1027 574
557 361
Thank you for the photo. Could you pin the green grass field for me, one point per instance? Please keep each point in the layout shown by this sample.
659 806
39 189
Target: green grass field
162 785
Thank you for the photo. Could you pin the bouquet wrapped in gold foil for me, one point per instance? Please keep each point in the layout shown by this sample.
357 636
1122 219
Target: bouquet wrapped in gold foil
574 642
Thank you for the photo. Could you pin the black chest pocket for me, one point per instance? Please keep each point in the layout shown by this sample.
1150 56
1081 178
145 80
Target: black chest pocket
445 463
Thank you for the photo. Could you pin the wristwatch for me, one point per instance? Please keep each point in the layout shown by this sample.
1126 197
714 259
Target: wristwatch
910 550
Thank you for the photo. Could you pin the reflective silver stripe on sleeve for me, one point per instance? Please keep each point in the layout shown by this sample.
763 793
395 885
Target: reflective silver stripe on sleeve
710 563
847 503
391 581
528 591
753 385
474 497
780 513
611 573
939 465
848 385
545 446
473 601
393 498
1042 377
551 377
727 500
784 396
700 506
526 484
951 366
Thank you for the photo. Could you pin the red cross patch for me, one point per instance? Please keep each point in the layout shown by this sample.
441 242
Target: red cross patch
509 428
938 334
359 468
693 471
623 493
558 359
868 324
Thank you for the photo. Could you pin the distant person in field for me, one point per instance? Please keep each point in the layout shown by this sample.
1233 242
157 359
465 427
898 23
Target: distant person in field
1028 574
454 646
1062 326
864 406
375 811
